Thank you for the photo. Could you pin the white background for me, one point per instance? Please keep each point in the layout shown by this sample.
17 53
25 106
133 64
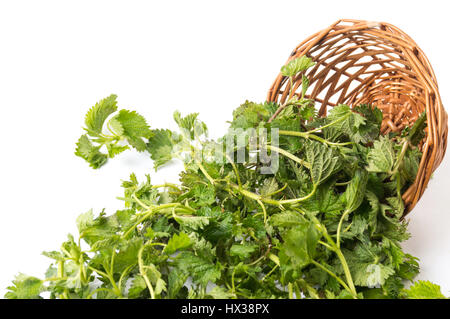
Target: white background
57 58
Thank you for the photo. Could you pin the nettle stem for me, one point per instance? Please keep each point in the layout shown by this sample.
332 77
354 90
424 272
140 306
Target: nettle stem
334 247
152 210
144 273
312 136
288 155
400 157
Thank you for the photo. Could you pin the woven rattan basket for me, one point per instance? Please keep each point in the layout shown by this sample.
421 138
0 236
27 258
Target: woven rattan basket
377 63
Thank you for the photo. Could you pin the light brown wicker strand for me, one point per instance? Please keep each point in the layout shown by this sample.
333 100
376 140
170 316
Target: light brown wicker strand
377 63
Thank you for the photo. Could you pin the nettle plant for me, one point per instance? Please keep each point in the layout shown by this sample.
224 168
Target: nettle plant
324 222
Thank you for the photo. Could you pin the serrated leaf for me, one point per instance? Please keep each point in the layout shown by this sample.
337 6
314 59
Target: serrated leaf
221 293
305 84
355 191
135 128
114 150
137 287
116 126
90 153
424 290
269 187
161 146
25 287
381 157
324 162
299 245
201 270
190 126
242 251
417 132
97 115
192 222
297 65
85 221
287 219
177 242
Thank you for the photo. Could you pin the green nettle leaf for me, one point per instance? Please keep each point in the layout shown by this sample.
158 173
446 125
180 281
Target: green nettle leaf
114 150
297 65
307 112
381 157
127 254
250 115
201 270
397 206
204 194
344 122
287 219
134 128
138 286
192 222
423 290
116 127
98 114
161 146
190 125
410 165
354 194
84 221
372 114
325 199
177 278
86 150
25 287
299 244
417 132
375 274
324 161
269 187
221 293
178 242
305 84
242 251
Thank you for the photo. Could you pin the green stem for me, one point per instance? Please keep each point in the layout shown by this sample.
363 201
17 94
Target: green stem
124 273
236 172
257 197
151 211
332 274
336 249
202 168
108 276
139 201
291 293
347 273
269 273
338 233
144 274
400 157
288 155
277 191
341 119
308 135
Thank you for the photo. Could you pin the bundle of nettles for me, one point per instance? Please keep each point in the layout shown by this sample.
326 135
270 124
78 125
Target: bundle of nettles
325 222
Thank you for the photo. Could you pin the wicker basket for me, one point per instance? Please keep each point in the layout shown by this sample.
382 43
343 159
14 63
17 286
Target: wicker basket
377 63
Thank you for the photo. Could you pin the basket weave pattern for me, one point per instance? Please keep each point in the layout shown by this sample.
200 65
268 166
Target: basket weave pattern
376 63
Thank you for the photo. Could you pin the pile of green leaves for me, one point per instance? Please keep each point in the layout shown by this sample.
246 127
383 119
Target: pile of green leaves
325 224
